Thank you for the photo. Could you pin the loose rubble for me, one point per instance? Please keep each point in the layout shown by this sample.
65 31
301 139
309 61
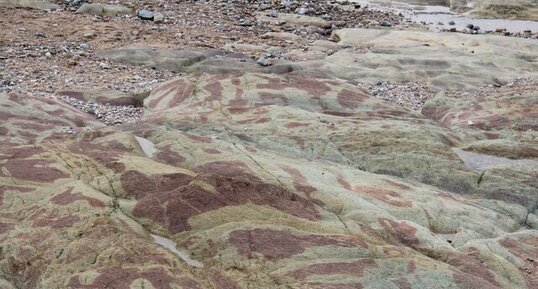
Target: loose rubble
108 114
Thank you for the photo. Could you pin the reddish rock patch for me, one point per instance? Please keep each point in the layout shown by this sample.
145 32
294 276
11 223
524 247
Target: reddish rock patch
36 170
384 195
397 185
215 90
472 269
350 99
105 155
5 227
212 151
198 138
404 233
299 181
312 86
168 156
174 208
121 278
294 124
140 185
275 245
344 184
403 283
67 197
268 97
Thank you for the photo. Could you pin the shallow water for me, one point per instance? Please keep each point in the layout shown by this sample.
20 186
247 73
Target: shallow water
171 245
462 21
480 161
147 147
434 14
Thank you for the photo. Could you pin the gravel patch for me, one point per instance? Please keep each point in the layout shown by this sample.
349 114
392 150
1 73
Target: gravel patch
109 114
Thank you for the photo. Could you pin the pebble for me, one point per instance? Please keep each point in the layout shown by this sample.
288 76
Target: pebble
386 24
451 23
470 26
264 61
301 11
158 17
243 22
145 14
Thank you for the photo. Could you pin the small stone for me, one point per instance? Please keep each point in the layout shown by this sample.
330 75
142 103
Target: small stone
273 14
340 23
41 35
84 46
243 22
88 35
145 14
470 26
301 11
264 61
386 24
440 23
500 29
158 17
451 23
104 65
264 7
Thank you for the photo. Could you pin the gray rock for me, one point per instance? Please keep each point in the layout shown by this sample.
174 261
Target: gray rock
386 24
146 14
470 26
158 17
243 22
301 11
264 61
451 23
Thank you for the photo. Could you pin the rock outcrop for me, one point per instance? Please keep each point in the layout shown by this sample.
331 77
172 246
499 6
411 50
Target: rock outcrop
262 181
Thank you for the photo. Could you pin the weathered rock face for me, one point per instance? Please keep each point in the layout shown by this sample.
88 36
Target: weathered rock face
104 10
33 4
265 181
443 60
